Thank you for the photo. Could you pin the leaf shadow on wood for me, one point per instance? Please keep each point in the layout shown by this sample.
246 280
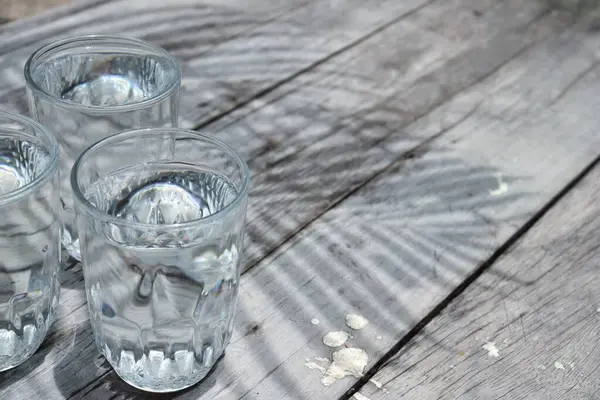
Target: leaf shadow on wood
72 278
412 234
337 253
417 229
188 32
408 227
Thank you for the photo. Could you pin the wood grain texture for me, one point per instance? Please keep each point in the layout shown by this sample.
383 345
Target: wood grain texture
196 26
348 137
14 9
332 168
397 247
317 131
539 305
400 244
229 53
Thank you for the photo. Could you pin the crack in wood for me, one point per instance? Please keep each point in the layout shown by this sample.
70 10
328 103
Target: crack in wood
468 281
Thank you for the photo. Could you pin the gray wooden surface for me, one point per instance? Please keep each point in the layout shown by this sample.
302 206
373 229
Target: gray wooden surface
540 307
11 10
395 151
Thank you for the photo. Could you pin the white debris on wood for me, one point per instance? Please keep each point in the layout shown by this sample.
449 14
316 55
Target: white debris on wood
347 361
491 348
379 385
356 322
316 364
502 187
379 337
559 365
315 321
336 338
359 396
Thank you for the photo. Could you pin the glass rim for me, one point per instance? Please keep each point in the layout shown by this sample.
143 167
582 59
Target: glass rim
57 45
98 214
14 195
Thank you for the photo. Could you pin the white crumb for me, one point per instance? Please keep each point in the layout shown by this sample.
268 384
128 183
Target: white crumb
502 187
359 396
356 322
491 348
336 338
559 365
572 365
541 367
346 361
314 321
598 309
378 385
379 337
314 365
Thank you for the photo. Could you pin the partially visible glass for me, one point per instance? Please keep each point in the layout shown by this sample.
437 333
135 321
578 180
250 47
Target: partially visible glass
86 88
160 215
29 237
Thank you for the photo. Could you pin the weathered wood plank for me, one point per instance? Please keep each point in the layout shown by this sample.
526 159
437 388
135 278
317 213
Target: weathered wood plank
354 134
537 305
400 244
11 10
347 107
233 73
205 25
364 76
229 53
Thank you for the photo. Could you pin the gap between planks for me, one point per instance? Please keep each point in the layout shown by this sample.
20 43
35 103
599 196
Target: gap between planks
267 90
506 246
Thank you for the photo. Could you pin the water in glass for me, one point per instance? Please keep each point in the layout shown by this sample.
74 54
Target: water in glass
161 317
29 287
119 88
105 81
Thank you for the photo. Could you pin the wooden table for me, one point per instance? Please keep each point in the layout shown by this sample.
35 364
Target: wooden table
427 164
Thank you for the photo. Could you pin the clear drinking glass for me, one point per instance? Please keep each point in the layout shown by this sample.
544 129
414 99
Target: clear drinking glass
160 215
29 237
86 88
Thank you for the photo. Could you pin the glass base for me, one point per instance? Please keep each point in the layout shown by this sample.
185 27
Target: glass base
15 350
161 386
147 383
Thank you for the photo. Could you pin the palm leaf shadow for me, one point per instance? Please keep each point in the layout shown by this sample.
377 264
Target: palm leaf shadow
404 236
418 217
405 249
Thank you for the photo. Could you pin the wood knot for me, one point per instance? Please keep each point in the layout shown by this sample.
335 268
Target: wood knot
252 328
